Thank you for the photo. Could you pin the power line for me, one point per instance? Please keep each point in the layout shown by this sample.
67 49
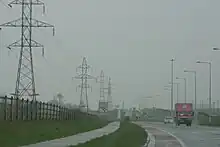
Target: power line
25 83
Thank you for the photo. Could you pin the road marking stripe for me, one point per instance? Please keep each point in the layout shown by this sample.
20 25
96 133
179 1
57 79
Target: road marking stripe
179 140
152 139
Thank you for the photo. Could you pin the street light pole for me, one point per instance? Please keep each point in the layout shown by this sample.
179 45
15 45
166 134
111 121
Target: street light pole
167 88
177 91
210 83
0 42
172 60
194 72
184 86
195 91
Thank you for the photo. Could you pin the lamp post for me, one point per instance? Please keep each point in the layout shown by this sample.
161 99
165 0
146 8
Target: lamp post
210 82
194 72
168 88
172 60
177 91
0 39
195 101
184 86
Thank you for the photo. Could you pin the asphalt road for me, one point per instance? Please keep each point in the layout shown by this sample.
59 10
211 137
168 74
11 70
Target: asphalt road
194 136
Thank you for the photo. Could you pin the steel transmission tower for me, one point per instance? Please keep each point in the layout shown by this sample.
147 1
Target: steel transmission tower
84 76
25 83
109 92
102 86
103 104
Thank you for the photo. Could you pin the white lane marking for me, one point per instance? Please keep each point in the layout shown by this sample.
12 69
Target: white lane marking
151 137
179 140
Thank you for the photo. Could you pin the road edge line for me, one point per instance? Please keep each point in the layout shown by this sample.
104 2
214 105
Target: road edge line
151 140
178 139
150 137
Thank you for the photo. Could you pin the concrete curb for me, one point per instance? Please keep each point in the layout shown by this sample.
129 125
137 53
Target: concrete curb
79 138
150 138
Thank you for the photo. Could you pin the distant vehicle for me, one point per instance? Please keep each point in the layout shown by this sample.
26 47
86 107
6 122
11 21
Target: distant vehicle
168 119
184 113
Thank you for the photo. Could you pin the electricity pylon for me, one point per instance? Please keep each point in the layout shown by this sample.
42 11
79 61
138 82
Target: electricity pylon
84 76
25 83
109 92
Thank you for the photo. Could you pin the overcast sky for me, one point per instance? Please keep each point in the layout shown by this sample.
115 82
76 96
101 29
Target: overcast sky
131 40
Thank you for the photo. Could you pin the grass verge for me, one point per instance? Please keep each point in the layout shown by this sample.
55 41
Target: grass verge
128 135
13 134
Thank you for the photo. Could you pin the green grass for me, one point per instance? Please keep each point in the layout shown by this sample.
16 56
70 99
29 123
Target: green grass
129 135
17 133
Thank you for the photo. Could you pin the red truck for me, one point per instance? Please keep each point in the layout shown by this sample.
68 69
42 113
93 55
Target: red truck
184 113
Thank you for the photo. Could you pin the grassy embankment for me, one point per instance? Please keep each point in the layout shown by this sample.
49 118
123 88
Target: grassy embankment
13 134
129 135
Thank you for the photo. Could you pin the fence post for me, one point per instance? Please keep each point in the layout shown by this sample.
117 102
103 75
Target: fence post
54 111
71 114
22 109
61 113
11 108
27 109
40 108
36 109
43 111
31 104
17 109
68 114
5 108
51 111
47 110
59 108
64 113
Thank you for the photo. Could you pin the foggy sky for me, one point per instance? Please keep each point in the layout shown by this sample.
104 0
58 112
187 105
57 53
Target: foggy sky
131 40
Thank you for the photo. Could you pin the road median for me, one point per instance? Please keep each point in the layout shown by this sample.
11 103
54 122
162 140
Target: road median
128 135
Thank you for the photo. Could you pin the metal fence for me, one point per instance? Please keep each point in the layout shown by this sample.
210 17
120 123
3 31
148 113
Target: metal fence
20 109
